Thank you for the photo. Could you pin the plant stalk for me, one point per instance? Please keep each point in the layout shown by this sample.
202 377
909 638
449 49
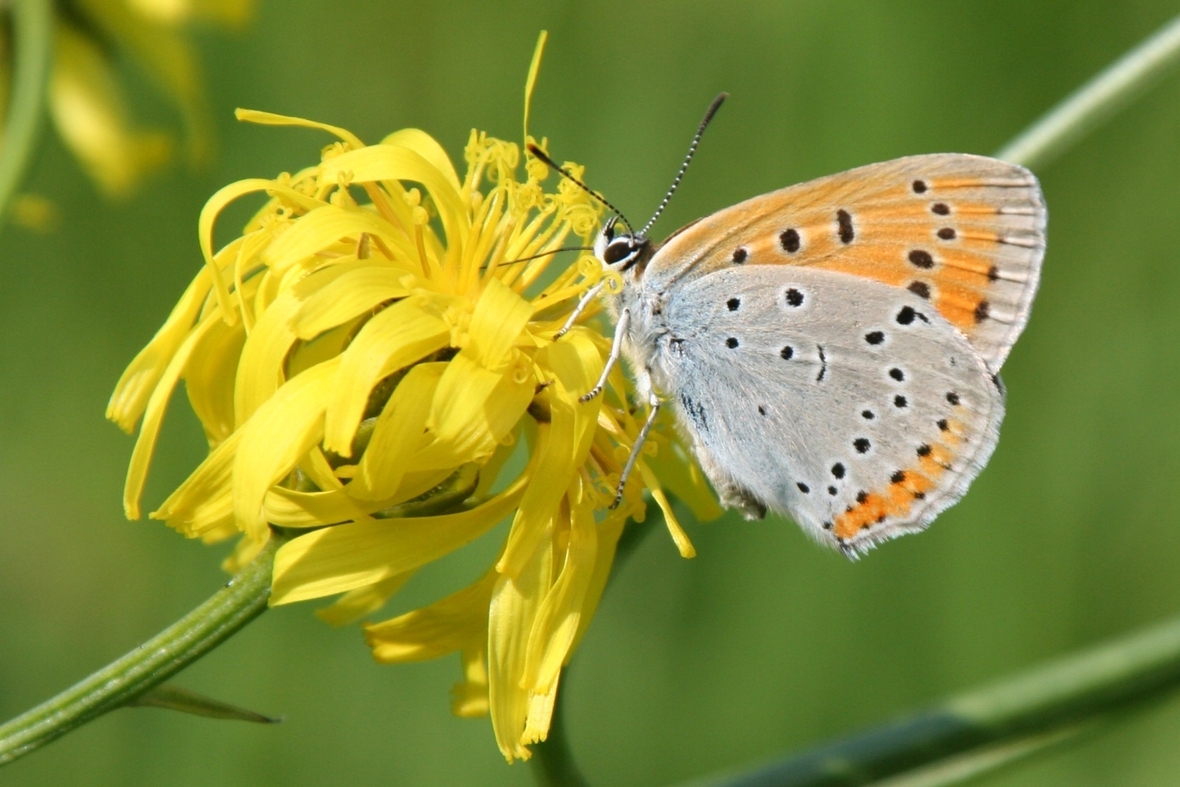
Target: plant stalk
1096 101
32 23
242 599
1037 704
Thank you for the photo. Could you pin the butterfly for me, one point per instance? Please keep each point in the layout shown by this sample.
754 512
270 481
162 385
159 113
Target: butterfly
831 350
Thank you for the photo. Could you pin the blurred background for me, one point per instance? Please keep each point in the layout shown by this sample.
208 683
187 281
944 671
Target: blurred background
764 643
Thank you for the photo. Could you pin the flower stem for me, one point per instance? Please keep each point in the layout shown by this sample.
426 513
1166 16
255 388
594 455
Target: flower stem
1097 100
33 39
1044 705
190 638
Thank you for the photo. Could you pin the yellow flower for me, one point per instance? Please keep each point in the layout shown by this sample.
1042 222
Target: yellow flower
86 101
381 381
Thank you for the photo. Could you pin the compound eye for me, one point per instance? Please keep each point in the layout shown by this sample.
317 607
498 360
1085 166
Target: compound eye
617 250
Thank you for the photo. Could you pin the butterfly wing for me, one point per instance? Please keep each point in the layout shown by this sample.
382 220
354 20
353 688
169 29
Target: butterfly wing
850 404
966 233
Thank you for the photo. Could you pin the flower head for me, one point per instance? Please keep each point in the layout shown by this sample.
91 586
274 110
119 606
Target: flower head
374 363
86 100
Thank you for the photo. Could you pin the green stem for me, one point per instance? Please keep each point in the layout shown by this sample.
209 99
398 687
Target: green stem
1038 704
190 638
33 39
1097 100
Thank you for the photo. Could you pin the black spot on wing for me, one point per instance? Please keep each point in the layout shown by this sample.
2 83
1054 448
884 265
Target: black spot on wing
921 259
844 226
790 241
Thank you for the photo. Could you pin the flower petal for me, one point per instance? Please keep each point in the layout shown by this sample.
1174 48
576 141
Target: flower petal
469 699
394 338
339 559
428 148
209 379
443 627
281 431
474 409
140 378
514 606
564 445
561 612
394 162
365 285
325 226
205 500
355 604
145 445
396 435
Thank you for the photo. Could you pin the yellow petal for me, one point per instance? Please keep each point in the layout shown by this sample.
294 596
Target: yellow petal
325 226
469 699
428 148
208 219
496 322
561 612
680 474
272 119
338 559
474 409
396 337
606 542
261 366
140 379
289 508
363 286
514 606
394 162
280 432
205 500
209 379
679 537
443 627
564 445
536 724
355 604
486 387
396 435
141 457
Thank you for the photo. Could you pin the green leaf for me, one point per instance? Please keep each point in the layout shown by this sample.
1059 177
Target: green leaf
173 697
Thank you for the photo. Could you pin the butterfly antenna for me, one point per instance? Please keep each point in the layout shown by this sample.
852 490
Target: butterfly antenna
536 151
541 254
692 149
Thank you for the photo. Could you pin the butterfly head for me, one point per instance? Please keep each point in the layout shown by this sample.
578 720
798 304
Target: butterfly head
620 250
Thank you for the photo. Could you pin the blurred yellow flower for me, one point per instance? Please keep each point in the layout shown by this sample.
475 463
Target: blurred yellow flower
374 365
86 101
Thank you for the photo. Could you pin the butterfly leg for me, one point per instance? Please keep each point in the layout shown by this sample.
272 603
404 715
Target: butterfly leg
590 295
653 402
616 349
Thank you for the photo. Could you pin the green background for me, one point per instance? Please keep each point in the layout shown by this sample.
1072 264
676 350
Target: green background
764 643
